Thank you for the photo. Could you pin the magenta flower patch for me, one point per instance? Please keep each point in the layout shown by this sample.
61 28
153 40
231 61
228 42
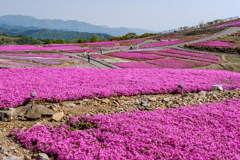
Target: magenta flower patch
135 65
209 131
177 63
59 84
135 56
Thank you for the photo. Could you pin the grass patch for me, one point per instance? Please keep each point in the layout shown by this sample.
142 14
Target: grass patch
233 59
232 39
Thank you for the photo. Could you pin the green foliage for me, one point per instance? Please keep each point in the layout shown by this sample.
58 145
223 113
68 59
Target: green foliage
27 40
53 34
131 35
48 41
102 40
94 38
125 37
5 41
80 40
114 38
59 41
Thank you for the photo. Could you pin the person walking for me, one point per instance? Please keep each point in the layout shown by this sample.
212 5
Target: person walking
88 57
85 53
137 46
101 49
131 47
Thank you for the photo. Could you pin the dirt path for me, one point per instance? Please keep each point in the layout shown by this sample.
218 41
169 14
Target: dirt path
94 62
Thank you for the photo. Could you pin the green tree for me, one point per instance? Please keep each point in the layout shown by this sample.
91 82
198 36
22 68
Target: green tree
132 35
125 37
59 41
80 40
102 40
94 38
48 42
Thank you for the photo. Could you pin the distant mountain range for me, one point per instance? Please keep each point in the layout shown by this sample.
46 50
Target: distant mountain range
28 22
50 34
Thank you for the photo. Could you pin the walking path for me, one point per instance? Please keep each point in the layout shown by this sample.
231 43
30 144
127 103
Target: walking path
97 63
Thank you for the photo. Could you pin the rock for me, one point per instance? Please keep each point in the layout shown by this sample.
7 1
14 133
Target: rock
3 150
23 111
116 103
113 98
147 108
27 157
72 105
153 99
85 100
186 98
105 100
14 150
36 111
124 98
136 102
78 102
202 93
13 158
215 96
195 97
37 124
12 110
22 119
58 116
56 106
169 104
42 156
96 98
174 106
52 108
183 104
216 87
5 116
144 101
153 107
165 99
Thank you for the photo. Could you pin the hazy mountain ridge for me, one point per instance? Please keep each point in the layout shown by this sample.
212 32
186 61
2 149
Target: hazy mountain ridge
69 25
52 34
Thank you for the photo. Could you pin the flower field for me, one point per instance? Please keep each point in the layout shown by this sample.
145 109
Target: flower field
80 50
34 48
135 56
177 63
183 56
215 46
230 24
36 60
58 84
209 131
37 55
135 65
18 64
207 56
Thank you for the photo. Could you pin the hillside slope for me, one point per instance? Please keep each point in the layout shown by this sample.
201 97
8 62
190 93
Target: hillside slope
53 34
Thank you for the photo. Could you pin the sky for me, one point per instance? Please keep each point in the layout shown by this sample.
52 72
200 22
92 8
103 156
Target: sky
153 15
